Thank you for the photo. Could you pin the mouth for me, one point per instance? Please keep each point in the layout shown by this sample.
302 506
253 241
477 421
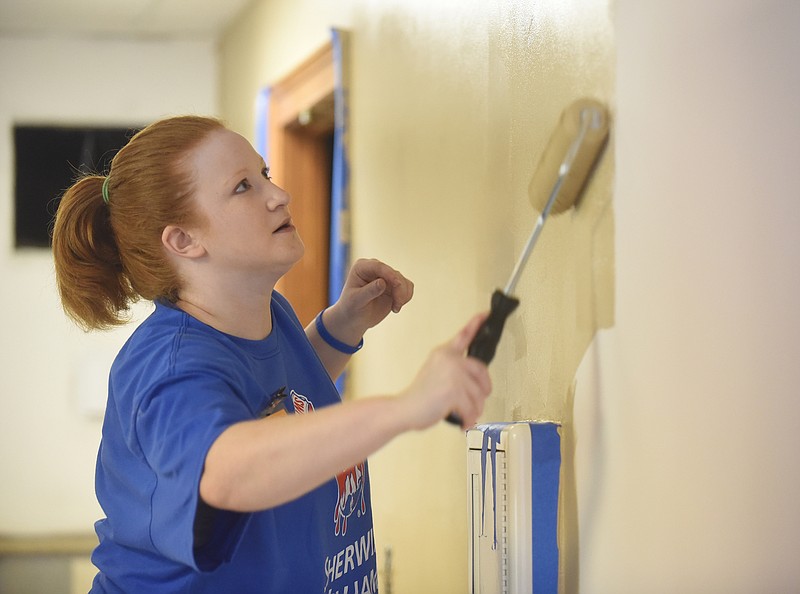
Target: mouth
285 226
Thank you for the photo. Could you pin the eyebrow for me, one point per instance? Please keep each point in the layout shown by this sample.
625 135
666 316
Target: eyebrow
235 178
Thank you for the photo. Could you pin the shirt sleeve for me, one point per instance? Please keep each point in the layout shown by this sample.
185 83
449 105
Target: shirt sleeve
176 424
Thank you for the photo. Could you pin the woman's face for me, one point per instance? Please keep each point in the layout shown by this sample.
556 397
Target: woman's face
245 226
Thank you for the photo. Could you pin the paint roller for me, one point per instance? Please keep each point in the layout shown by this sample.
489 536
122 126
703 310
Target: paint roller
556 185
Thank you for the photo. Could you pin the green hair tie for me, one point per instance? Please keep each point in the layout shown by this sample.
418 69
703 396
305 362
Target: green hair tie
105 190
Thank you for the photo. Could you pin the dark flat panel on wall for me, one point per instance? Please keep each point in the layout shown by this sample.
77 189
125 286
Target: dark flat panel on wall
47 160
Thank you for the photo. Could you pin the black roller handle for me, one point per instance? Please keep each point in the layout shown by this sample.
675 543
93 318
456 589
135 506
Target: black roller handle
484 345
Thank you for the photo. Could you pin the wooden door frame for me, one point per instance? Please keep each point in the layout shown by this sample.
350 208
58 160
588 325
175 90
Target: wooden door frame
299 124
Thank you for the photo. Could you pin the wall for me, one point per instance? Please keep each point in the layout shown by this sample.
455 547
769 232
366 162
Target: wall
450 106
49 444
687 411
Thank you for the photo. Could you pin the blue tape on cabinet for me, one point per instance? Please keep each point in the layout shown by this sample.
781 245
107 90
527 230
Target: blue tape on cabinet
546 466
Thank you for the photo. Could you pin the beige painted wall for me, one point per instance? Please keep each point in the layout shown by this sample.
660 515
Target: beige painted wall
451 105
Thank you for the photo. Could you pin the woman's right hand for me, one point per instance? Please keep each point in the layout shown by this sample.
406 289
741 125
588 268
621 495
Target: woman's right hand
449 382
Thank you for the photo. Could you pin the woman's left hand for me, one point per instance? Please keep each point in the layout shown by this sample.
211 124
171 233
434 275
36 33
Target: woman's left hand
371 291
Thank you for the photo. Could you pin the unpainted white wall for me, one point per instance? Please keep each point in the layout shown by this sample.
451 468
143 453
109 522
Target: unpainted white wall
687 411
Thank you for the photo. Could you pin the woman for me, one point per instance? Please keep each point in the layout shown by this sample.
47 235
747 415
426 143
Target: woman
207 483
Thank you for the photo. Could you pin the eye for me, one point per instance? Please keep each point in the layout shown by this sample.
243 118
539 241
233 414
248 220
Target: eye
265 173
243 186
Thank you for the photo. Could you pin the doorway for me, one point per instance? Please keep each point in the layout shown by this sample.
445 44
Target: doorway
300 132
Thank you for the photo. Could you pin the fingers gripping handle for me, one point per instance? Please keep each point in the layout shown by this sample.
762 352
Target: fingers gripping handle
484 345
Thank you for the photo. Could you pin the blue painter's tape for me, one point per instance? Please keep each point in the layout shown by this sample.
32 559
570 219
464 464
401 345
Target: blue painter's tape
262 123
340 179
546 462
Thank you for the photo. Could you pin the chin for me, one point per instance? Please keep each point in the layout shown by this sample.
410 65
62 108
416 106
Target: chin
291 258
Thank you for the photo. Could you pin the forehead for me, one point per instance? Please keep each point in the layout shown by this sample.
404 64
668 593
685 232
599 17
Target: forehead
221 154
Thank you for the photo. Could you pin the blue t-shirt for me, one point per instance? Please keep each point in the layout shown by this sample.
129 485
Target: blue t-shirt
175 386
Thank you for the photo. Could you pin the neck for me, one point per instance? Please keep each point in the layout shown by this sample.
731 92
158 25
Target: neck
238 313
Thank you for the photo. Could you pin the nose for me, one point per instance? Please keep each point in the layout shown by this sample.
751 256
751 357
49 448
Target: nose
277 197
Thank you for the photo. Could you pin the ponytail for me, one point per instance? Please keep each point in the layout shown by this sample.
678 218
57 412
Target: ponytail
95 292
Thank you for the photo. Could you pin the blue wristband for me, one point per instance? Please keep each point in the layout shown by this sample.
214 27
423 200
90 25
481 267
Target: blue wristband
331 341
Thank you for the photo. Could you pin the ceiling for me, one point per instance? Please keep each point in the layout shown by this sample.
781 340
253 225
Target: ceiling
197 19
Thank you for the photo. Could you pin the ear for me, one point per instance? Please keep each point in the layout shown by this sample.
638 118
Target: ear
181 243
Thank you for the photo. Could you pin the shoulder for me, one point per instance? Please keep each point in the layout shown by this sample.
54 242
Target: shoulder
157 333
166 343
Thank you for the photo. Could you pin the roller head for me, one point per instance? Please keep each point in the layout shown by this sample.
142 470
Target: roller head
571 153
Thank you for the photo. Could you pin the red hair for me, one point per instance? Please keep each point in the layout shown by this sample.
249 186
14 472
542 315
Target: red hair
109 255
